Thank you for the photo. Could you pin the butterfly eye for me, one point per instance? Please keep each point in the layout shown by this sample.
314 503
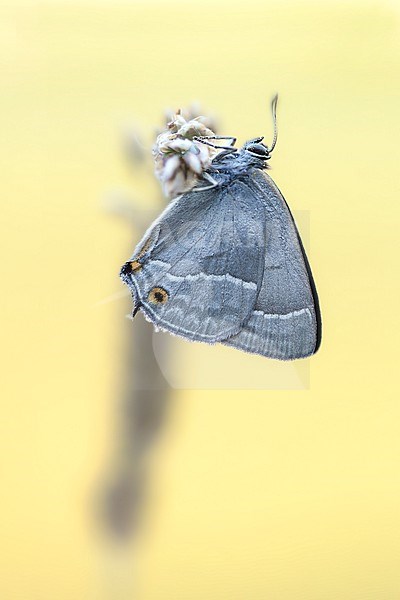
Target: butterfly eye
157 296
258 149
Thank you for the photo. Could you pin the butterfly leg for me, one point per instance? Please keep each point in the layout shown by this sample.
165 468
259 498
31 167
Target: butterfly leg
219 137
220 156
205 140
207 187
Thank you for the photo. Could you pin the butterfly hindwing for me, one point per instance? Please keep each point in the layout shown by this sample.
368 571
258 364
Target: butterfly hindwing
198 269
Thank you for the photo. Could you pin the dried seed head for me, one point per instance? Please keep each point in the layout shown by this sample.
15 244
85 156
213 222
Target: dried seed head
180 160
190 113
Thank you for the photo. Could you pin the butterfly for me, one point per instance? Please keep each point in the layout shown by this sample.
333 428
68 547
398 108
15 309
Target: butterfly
224 262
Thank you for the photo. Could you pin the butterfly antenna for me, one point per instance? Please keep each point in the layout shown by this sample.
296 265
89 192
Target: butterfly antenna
273 110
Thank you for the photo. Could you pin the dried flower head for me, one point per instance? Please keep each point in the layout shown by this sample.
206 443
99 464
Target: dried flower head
179 159
192 112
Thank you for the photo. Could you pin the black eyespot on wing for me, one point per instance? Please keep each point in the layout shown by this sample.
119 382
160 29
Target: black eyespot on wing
129 267
158 295
126 268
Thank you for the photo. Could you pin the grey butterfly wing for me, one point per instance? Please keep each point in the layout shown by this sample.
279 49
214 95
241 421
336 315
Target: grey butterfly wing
197 270
285 322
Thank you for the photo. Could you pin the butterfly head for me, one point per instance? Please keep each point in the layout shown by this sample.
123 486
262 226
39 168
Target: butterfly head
256 149
252 154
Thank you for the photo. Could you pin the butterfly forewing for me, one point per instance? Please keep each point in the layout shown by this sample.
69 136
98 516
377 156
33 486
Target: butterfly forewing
285 321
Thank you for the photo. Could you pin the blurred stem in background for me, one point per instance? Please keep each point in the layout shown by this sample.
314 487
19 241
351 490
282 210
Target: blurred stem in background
145 394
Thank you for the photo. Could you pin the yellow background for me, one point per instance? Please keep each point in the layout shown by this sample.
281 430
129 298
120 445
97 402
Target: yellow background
260 494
